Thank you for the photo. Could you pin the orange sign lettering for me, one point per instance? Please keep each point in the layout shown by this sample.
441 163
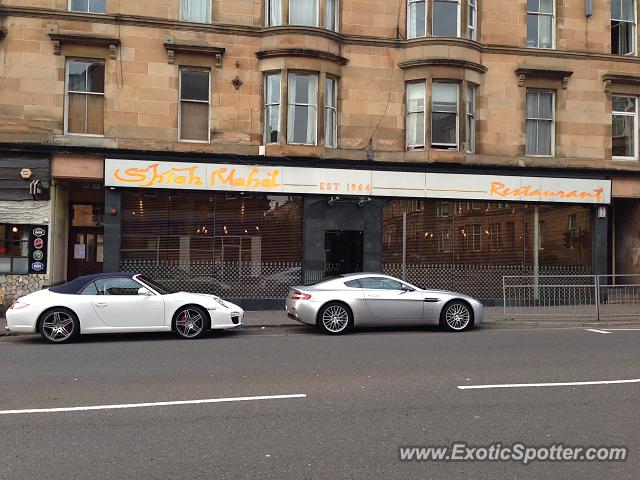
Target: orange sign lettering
501 190
226 176
152 175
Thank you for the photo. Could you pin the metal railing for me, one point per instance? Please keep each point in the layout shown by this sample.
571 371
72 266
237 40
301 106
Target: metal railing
576 297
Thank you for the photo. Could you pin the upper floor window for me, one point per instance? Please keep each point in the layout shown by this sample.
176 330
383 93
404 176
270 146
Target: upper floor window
415 115
195 95
472 18
332 14
302 115
272 108
541 21
416 18
331 112
14 249
84 99
444 115
195 11
273 14
303 12
445 18
88 6
471 118
625 127
540 123
623 27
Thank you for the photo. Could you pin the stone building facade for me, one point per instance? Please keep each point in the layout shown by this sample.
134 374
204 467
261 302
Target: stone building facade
416 87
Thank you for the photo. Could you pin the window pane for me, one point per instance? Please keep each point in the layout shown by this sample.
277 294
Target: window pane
95 114
303 12
331 20
194 85
622 38
544 137
624 104
330 128
546 6
272 134
20 266
623 141
97 6
545 26
533 5
77 113
415 97
77 75
273 88
90 289
531 141
274 13
445 97
415 130
445 19
303 89
416 22
95 77
194 121
532 31
5 265
330 92
195 10
546 105
627 10
79 5
444 128
302 124
117 286
533 108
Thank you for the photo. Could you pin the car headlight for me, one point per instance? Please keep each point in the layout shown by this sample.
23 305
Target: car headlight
18 306
219 300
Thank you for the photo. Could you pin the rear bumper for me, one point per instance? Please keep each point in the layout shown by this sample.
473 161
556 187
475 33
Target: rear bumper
302 311
20 321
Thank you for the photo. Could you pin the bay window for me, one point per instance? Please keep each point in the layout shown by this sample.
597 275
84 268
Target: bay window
194 105
272 108
415 115
623 27
540 123
84 98
541 21
302 114
416 18
445 18
625 127
444 115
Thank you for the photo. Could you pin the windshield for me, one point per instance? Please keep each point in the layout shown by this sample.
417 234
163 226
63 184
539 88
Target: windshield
161 289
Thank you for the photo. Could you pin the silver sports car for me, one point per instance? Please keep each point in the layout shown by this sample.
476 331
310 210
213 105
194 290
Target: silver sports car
369 299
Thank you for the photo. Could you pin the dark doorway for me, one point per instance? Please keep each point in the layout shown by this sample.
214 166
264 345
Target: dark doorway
343 251
86 240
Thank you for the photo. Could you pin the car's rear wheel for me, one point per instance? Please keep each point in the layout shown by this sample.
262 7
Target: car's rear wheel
335 319
59 325
456 316
190 322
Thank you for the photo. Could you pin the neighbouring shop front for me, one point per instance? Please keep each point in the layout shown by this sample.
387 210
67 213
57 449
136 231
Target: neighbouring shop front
249 232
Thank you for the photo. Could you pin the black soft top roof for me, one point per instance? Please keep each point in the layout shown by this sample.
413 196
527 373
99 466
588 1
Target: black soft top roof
75 286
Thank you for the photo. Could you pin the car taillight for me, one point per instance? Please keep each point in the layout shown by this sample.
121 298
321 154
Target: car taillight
300 296
18 306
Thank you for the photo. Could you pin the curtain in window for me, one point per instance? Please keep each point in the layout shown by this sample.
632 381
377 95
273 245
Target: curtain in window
330 120
194 10
303 12
444 116
272 108
331 20
274 13
623 24
415 114
301 122
194 118
539 123
416 19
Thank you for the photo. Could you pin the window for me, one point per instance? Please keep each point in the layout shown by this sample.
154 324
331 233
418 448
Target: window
272 108
90 289
623 27
540 123
88 6
353 284
472 17
302 115
444 116
117 286
495 236
442 209
331 112
195 11
194 105
624 141
445 240
540 234
571 231
303 12
380 283
14 249
273 14
332 14
477 237
445 18
471 119
416 18
541 23
85 97
415 115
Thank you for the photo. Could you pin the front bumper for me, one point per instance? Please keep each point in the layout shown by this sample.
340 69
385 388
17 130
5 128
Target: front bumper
232 317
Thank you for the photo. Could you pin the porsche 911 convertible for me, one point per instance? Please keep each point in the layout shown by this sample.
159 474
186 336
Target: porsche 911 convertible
368 299
118 303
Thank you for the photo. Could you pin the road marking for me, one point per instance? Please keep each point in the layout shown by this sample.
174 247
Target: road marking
625 329
559 384
150 404
596 330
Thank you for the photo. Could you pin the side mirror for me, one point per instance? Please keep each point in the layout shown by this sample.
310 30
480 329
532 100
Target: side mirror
405 288
145 292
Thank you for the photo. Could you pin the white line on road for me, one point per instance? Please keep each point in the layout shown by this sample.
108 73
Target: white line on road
150 404
625 329
559 384
595 330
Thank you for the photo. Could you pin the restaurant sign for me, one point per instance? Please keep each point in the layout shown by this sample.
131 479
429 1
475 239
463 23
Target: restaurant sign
327 181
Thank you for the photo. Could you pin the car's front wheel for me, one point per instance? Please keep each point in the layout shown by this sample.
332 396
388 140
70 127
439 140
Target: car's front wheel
59 325
456 316
334 319
190 322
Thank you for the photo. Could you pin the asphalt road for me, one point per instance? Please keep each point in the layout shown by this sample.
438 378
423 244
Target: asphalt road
366 394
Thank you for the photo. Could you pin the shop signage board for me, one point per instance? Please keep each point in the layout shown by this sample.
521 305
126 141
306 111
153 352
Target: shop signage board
38 239
328 181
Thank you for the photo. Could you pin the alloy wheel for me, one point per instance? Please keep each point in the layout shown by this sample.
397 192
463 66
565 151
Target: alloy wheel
58 327
335 318
189 323
457 316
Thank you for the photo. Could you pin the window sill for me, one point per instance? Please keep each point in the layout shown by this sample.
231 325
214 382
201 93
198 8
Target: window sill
195 141
624 159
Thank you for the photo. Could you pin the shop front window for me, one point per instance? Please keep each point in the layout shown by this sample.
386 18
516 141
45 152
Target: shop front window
14 249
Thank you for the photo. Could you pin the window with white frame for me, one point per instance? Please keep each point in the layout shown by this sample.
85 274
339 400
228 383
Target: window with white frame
195 103
540 123
195 11
416 18
623 27
273 13
302 115
472 18
444 115
88 6
331 112
445 18
332 15
541 23
85 97
415 115
303 12
495 236
471 118
476 237
272 108
624 138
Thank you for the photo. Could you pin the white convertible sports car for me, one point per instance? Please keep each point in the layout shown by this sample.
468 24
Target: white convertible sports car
118 303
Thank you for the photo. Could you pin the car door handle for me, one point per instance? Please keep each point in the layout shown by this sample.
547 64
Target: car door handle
431 300
102 305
